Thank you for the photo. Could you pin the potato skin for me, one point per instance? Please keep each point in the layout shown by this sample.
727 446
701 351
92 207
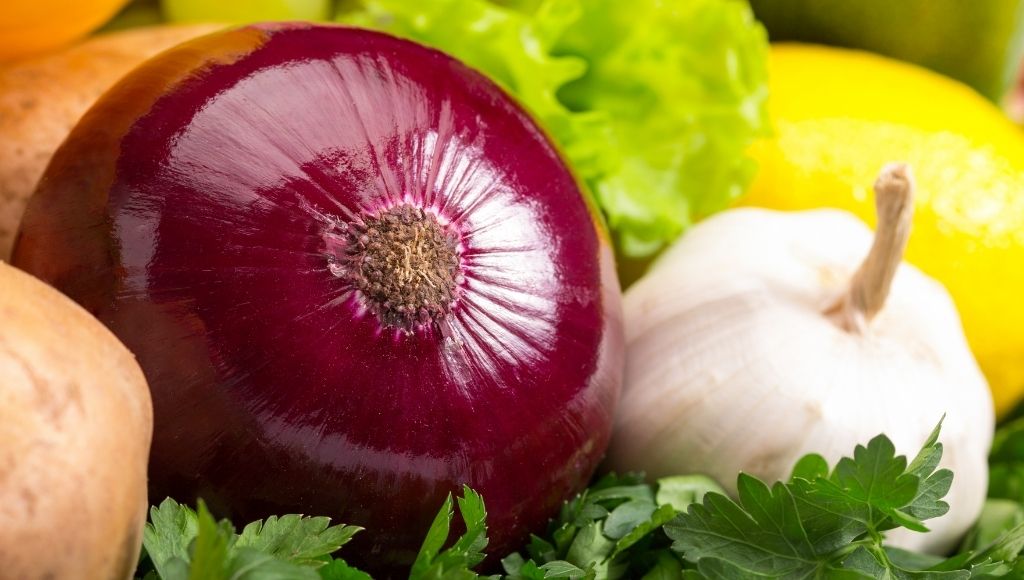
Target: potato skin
42 98
75 428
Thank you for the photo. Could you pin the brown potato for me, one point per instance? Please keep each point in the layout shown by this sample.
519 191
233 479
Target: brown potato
75 427
41 99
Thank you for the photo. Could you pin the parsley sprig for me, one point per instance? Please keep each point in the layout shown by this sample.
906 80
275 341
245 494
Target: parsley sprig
182 544
822 523
612 530
456 562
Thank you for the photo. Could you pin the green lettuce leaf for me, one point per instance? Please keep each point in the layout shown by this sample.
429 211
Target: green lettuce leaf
652 102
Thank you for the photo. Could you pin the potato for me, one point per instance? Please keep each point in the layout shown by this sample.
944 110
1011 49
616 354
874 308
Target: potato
41 100
75 428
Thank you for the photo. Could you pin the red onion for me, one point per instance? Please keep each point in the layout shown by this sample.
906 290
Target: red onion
356 274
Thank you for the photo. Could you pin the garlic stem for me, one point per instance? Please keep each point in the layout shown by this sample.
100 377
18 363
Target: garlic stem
869 287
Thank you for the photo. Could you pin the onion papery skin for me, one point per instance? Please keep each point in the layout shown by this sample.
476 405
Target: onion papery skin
196 211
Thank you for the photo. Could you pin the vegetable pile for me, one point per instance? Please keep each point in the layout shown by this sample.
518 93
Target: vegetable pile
350 301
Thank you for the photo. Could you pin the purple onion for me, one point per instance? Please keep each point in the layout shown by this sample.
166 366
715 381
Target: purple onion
357 275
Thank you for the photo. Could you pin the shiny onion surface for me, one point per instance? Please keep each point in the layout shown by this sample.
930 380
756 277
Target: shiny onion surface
357 275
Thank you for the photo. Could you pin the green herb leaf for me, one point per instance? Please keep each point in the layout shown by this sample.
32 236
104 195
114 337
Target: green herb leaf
297 539
1006 462
628 516
591 547
644 529
252 564
340 570
912 560
998 517
875 483
715 569
876 563
437 535
187 545
667 567
682 490
934 483
819 524
518 569
762 533
810 467
562 569
208 554
541 550
456 562
998 558
611 530
167 535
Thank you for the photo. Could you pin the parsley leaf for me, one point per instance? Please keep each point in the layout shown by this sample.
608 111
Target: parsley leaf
252 564
208 552
340 570
820 523
1006 462
762 533
612 530
991 554
191 545
682 490
167 535
297 539
457 561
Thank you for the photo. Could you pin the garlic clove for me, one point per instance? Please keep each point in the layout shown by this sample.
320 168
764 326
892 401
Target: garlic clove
734 365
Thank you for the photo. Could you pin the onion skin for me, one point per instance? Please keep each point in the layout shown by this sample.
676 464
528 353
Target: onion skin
42 98
191 211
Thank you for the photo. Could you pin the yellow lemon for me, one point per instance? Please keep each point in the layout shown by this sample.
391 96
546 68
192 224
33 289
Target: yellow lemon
813 82
839 115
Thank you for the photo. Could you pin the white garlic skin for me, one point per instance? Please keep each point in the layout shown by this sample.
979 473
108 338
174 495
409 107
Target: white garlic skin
731 365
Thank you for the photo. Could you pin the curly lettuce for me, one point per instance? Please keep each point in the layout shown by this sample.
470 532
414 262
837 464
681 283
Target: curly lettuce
654 102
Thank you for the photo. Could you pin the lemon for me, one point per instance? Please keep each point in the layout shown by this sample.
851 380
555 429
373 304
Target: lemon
839 115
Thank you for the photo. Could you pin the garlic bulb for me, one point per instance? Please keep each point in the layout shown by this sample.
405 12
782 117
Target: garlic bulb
756 339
